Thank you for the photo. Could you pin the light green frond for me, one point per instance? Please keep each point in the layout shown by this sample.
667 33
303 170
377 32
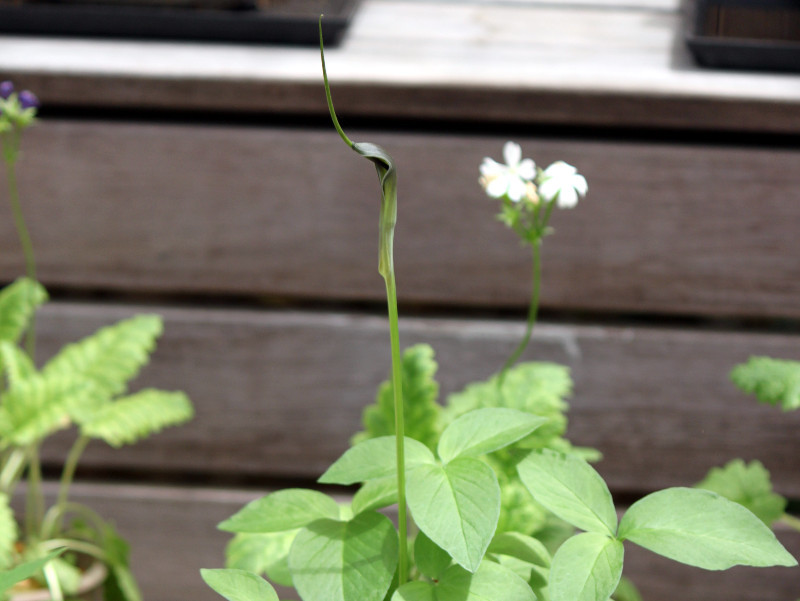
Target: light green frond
16 364
773 381
8 533
138 416
39 406
18 301
111 356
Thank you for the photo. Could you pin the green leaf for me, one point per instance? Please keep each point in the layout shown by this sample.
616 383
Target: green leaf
111 356
431 560
420 391
8 532
262 554
375 494
491 582
748 485
485 430
39 406
120 583
702 529
283 510
375 458
26 570
345 561
586 568
67 574
238 585
16 363
456 506
132 418
521 546
18 301
773 381
626 591
570 488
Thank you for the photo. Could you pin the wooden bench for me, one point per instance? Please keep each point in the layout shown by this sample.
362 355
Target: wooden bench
205 183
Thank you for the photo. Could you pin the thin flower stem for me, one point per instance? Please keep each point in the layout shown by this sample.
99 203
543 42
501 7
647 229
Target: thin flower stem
791 521
68 474
533 310
34 505
399 427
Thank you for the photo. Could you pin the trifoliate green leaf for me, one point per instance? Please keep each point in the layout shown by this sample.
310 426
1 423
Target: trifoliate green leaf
373 459
748 485
18 301
491 582
375 494
261 554
431 560
283 510
773 381
420 391
586 568
238 585
110 357
132 418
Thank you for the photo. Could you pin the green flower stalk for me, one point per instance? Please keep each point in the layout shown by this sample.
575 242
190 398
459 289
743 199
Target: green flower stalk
387 176
528 196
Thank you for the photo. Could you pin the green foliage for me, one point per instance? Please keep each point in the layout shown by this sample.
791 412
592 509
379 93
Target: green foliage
748 485
23 571
522 547
420 391
457 506
702 529
773 381
373 459
283 510
262 554
586 568
18 301
8 533
345 561
239 585
431 560
491 582
375 494
137 416
571 489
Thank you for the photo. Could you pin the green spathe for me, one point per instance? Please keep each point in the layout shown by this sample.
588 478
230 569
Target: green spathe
375 458
457 506
587 567
491 582
283 510
570 488
239 585
345 561
702 529
485 430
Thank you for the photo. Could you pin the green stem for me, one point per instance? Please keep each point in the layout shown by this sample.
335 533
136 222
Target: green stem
57 514
12 469
399 427
10 153
533 310
68 474
791 521
34 502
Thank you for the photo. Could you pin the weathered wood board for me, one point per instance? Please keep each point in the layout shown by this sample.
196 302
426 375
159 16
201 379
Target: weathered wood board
221 210
279 394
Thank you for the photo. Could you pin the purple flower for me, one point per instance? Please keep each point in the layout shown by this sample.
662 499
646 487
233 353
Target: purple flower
28 100
6 89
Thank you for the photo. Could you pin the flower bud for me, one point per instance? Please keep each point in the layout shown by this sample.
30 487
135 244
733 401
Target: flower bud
28 100
6 89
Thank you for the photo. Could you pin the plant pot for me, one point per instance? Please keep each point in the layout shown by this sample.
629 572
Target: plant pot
90 589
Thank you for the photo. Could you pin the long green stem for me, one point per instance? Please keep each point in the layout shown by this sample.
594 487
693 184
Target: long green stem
533 310
10 153
68 473
34 504
13 465
791 521
399 427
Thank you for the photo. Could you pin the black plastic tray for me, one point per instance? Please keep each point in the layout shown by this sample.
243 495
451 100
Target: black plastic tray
291 22
713 50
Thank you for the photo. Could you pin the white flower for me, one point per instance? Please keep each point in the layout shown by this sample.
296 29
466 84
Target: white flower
512 179
563 183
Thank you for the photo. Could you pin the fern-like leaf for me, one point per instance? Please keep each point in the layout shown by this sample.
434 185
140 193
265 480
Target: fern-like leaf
137 416
18 301
8 533
420 391
110 357
773 381
38 406
16 364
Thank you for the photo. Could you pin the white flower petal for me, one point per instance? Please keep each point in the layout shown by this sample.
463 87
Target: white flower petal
580 185
549 189
527 169
512 153
496 187
559 169
490 167
567 198
516 189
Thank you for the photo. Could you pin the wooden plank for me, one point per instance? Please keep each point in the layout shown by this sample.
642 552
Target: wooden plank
540 62
278 394
173 534
223 210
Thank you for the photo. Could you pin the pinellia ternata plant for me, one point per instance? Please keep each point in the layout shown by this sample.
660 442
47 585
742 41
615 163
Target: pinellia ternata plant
449 548
84 386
